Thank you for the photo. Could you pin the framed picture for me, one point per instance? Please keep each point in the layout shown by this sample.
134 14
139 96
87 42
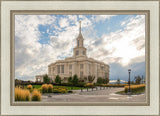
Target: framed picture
80 58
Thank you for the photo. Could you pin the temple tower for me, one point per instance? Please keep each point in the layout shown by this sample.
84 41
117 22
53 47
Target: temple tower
79 50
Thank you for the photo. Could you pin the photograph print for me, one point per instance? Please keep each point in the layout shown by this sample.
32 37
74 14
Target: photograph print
80 58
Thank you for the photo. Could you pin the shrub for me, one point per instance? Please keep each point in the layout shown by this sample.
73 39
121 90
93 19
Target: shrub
44 88
59 90
22 94
80 84
29 87
134 88
89 85
63 90
36 95
50 88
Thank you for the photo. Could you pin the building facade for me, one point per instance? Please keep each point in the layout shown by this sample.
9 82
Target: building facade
78 64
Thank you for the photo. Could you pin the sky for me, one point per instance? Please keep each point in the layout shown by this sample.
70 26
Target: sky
118 40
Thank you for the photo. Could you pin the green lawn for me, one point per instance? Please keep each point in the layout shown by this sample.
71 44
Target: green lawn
67 87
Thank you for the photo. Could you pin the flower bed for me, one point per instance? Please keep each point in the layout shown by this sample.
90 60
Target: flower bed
59 90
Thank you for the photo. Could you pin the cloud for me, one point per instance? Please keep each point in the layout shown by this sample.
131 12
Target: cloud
123 45
118 48
31 57
63 22
122 72
101 18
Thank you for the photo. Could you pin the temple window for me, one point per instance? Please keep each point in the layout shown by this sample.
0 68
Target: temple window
83 52
81 74
70 66
77 52
70 73
58 69
81 66
62 68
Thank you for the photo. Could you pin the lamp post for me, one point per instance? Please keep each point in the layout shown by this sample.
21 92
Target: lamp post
129 71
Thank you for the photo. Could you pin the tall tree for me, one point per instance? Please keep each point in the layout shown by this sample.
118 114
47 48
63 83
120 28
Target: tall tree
46 79
58 79
105 80
75 80
69 79
91 78
138 79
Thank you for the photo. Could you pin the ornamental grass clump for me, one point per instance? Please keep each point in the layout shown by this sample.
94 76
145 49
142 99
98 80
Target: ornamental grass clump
44 88
134 88
89 85
36 95
22 94
50 88
29 87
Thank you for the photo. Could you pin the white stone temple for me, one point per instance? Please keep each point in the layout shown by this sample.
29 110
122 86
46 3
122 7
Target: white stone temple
78 64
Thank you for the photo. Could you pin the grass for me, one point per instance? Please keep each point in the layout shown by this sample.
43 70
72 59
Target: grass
70 88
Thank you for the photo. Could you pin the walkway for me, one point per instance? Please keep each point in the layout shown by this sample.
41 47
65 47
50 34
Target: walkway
106 95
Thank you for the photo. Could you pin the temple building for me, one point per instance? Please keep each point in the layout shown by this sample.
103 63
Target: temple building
78 64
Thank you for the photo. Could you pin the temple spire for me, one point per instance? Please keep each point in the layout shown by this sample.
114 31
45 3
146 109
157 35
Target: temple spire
79 27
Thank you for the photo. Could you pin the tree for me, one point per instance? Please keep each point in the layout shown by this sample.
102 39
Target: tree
138 79
118 81
69 79
106 80
91 78
99 80
58 79
46 79
75 80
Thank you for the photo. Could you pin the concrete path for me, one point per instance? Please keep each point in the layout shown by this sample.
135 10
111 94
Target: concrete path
103 95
